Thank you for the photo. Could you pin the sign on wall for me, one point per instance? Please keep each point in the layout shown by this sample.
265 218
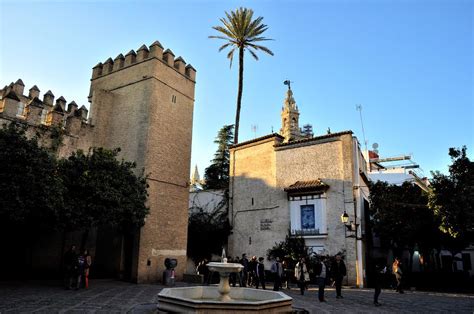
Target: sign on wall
266 224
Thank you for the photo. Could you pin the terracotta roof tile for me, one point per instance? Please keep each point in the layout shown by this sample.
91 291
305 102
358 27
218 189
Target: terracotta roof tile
307 186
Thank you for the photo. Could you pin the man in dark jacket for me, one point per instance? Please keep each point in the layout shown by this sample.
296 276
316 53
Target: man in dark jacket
321 271
260 273
245 262
338 271
69 260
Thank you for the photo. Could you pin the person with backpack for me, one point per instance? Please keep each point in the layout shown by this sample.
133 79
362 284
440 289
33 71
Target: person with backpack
81 266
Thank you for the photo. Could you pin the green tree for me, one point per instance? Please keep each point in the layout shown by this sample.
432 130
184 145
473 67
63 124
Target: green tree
102 191
292 248
241 32
452 198
208 231
401 217
32 189
217 174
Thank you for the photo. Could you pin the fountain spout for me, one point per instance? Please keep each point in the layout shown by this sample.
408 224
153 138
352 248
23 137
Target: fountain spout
223 257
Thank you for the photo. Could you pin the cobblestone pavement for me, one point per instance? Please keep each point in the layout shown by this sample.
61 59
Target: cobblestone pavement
108 296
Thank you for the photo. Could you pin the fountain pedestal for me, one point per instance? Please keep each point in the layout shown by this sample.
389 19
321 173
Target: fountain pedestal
221 299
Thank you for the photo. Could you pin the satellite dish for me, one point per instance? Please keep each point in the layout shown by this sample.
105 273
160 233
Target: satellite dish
375 145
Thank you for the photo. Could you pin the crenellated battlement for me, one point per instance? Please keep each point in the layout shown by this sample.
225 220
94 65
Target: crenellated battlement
32 110
144 53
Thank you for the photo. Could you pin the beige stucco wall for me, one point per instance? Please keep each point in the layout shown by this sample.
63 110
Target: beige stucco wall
261 171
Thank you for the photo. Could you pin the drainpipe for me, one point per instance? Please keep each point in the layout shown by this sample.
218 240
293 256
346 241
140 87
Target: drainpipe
357 213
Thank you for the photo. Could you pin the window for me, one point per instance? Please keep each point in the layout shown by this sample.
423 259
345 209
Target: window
21 110
307 217
46 117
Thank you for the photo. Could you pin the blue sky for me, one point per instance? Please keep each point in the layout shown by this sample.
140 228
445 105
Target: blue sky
408 63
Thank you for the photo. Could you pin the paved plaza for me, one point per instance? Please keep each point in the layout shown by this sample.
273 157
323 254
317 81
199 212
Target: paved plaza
109 296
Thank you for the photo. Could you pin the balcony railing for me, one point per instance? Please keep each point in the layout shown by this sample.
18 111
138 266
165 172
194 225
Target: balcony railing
307 232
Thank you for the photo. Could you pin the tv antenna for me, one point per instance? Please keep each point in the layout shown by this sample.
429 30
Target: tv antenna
254 128
359 108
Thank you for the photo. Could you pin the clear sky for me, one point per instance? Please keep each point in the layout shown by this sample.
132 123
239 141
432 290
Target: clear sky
408 63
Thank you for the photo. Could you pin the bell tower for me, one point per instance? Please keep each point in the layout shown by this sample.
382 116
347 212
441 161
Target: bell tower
290 129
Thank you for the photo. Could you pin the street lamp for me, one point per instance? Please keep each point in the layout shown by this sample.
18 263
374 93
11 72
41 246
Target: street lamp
344 218
351 227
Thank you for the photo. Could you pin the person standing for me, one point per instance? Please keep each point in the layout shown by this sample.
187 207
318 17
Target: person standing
252 272
380 271
285 277
321 271
277 270
260 276
338 271
301 274
80 268
245 262
70 258
397 271
87 265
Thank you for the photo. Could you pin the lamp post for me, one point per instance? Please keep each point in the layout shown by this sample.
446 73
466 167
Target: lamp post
351 227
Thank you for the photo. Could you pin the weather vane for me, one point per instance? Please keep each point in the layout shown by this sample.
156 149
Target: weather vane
288 82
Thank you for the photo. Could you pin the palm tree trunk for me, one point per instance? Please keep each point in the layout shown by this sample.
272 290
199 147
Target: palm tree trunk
239 94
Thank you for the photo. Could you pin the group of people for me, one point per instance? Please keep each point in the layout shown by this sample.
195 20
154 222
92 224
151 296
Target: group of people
324 271
76 268
252 273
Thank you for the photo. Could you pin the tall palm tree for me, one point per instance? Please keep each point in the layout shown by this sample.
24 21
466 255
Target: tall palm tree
241 32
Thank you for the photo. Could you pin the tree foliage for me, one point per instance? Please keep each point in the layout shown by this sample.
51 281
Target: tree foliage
217 174
31 187
292 248
452 197
241 32
83 191
400 215
208 231
102 191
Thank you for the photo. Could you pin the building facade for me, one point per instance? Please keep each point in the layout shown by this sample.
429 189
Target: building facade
283 183
143 103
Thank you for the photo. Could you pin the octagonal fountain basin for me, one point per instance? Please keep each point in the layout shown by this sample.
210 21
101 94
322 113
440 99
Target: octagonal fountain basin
206 299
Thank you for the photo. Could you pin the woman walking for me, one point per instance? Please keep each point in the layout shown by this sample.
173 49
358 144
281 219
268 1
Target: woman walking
301 274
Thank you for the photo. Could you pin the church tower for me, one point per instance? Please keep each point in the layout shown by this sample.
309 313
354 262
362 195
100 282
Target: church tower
290 129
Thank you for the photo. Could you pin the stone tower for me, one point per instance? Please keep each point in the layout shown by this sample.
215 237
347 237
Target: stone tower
290 129
143 103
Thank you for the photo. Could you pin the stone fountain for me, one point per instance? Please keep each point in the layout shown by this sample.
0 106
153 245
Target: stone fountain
212 299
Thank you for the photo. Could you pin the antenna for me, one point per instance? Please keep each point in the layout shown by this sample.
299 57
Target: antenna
254 128
359 108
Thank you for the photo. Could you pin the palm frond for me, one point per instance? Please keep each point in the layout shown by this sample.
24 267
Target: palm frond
264 49
254 55
230 56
